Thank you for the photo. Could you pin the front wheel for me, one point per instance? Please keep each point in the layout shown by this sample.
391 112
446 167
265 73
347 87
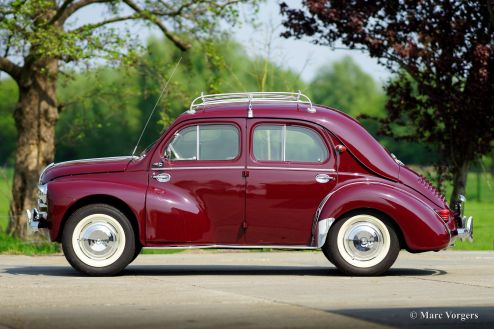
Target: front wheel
362 244
98 240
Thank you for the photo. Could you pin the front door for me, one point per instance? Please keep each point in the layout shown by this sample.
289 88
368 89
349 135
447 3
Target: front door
291 168
198 196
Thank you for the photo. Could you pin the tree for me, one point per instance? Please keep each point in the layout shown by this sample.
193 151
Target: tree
443 54
345 86
38 36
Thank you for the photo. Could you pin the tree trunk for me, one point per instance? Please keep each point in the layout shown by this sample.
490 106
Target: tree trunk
459 180
35 117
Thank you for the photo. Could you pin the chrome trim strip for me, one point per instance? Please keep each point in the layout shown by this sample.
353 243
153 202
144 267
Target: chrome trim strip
322 230
283 142
233 246
242 167
43 171
294 169
122 157
198 143
198 168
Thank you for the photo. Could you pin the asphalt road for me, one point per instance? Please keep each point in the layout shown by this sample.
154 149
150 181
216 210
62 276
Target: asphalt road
212 289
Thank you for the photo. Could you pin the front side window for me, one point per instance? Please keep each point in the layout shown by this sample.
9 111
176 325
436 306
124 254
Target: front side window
205 142
288 143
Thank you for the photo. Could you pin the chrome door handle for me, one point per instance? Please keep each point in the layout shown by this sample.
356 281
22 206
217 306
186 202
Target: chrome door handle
162 178
323 178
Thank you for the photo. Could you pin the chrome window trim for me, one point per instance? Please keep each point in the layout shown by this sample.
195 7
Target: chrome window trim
198 143
199 168
283 143
292 168
242 167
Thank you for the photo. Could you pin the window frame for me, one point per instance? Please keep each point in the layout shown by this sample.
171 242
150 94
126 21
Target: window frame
329 154
197 131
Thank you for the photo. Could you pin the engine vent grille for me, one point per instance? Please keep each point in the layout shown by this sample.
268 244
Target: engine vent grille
425 182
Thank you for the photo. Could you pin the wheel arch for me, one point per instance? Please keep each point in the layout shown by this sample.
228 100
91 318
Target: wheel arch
380 214
104 199
418 226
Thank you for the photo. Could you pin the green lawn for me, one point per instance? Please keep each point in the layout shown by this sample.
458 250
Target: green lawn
482 211
5 183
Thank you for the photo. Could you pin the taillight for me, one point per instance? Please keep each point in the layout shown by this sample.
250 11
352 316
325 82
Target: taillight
444 214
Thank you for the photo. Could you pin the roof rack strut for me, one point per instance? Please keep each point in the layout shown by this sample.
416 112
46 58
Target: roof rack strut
250 98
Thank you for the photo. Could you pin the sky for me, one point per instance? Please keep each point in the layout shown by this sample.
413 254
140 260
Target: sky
301 56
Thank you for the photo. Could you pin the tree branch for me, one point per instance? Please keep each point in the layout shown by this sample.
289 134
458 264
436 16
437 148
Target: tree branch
10 68
68 8
93 26
149 16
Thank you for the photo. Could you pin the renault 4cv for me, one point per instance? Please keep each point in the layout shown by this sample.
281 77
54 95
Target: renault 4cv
248 170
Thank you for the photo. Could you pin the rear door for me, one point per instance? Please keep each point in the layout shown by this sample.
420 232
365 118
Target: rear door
291 168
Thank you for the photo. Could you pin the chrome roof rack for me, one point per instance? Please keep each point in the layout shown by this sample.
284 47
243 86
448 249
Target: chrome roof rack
252 97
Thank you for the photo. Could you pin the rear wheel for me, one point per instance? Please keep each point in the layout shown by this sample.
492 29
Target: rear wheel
98 240
362 244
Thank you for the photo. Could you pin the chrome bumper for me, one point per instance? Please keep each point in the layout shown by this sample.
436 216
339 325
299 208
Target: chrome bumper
464 230
36 220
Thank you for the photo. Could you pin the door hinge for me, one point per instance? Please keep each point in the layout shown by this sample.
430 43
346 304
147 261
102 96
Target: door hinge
245 173
244 224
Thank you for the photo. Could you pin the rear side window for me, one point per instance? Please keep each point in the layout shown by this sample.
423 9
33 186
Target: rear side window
288 143
205 142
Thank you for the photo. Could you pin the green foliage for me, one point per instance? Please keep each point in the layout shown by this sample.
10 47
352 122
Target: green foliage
14 246
8 98
5 185
345 86
106 109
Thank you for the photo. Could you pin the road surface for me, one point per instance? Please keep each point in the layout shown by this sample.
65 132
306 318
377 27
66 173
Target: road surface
213 289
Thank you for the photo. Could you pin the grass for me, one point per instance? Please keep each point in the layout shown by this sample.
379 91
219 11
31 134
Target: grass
480 205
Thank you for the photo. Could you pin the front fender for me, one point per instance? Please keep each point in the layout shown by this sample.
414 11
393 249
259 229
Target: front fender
420 225
65 194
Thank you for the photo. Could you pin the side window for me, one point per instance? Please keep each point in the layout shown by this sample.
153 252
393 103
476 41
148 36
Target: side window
205 142
288 143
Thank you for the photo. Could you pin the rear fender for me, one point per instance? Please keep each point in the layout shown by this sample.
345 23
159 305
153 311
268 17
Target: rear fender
421 227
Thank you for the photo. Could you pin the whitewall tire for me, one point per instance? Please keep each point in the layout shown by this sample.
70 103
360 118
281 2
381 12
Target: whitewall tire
98 239
362 244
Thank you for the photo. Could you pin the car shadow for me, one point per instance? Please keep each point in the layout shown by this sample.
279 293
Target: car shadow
204 270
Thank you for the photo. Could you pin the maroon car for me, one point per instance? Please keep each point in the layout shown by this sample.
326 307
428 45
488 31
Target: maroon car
248 170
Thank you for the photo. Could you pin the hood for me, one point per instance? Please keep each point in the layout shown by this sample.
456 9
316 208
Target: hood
420 184
84 166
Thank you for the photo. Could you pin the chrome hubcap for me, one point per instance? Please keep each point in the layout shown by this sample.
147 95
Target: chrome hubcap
98 240
363 241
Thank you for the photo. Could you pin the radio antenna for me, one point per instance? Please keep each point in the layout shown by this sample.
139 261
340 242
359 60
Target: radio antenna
156 105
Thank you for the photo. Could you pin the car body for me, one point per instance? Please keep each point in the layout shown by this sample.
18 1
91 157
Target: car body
255 170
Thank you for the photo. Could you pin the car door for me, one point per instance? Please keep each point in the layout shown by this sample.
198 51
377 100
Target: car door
198 195
291 168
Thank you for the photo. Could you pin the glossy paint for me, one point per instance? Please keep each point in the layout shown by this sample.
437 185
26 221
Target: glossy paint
204 201
247 202
77 167
68 193
284 194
